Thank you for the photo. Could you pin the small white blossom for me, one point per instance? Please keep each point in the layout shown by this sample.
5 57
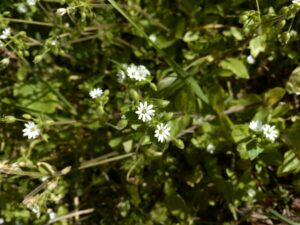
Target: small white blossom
51 215
121 76
153 37
31 2
61 11
5 33
251 192
96 92
2 220
256 125
270 132
210 148
162 132
22 8
31 130
138 73
145 111
293 33
54 42
250 59
296 2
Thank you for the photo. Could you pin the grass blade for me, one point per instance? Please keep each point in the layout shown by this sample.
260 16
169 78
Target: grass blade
282 218
100 161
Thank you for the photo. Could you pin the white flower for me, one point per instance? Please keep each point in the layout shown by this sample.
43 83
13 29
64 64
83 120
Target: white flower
31 130
2 220
296 2
132 71
138 73
256 125
96 92
210 148
251 192
270 132
121 76
153 37
54 42
162 132
61 11
31 2
5 33
145 111
293 33
250 59
22 8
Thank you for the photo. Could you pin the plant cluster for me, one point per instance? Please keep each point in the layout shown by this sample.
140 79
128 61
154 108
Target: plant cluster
149 112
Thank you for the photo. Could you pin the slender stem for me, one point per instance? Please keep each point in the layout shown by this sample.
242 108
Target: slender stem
38 23
70 215
258 9
291 25
29 22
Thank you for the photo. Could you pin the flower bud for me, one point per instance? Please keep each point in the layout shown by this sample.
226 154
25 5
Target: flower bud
27 116
122 124
10 119
163 103
168 116
153 87
61 11
37 59
5 61
179 143
134 95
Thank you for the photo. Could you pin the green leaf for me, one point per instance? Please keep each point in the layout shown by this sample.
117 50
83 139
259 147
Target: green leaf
293 83
236 66
257 45
240 132
292 137
127 145
176 205
254 152
35 97
273 96
291 164
185 101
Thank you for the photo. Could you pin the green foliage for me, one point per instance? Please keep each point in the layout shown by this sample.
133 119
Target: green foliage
222 145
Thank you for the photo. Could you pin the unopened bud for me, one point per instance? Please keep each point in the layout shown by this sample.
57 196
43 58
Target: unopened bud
27 116
122 124
134 95
61 11
38 58
5 61
179 143
168 116
10 119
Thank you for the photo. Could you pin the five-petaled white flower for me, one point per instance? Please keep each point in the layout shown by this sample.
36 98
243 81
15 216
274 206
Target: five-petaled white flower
31 130
31 2
138 73
145 111
270 132
256 125
96 92
5 33
162 132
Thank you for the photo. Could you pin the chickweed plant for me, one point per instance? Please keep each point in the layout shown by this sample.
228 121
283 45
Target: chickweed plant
149 112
